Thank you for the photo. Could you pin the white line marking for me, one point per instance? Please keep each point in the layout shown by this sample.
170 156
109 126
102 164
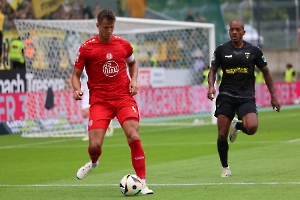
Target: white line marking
37 143
160 184
296 140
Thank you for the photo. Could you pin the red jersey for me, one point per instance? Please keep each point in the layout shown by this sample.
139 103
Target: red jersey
105 65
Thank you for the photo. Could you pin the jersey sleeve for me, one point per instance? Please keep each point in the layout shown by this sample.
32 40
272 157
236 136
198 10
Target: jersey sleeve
260 60
80 59
129 49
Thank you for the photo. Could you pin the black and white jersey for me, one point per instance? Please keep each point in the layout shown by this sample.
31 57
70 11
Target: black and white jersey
238 65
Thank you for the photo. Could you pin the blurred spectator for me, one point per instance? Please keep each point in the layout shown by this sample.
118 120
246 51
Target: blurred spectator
199 66
29 50
54 54
86 11
76 10
16 54
96 11
259 76
1 34
290 75
136 8
152 60
200 18
5 53
205 76
189 16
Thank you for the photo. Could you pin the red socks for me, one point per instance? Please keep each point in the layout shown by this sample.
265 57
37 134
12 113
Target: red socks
138 158
94 155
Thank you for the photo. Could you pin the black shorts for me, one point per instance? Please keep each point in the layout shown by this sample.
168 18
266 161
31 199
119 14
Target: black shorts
229 106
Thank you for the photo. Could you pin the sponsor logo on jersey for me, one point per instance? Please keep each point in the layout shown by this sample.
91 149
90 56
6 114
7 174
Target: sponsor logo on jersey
90 122
110 68
109 56
242 70
228 56
247 55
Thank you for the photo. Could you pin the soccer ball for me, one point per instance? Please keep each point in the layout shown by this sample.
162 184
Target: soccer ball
130 185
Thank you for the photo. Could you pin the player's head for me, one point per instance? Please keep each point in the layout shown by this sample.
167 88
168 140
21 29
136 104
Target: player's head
236 30
105 23
288 66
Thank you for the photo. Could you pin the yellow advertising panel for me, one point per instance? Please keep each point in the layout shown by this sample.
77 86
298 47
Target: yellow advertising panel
43 7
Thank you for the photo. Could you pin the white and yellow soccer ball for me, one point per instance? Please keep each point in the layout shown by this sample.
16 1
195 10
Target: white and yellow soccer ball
131 185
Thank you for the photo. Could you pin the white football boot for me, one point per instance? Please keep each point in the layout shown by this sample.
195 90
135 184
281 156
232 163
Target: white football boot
233 132
146 190
225 172
86 169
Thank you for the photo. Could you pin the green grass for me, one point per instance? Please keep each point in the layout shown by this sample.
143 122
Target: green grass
182 163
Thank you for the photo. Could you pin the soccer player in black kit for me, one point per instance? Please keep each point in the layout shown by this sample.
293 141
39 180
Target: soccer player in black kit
237 59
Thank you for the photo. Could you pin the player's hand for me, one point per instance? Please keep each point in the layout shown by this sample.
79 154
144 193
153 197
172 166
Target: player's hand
211 93
275 103
77 95
133 88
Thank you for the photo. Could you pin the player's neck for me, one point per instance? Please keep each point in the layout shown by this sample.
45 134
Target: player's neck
237 45
104 40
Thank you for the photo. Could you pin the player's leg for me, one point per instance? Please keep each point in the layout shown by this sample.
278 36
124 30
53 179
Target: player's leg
225 112
128 116
98 123
247 111
223 123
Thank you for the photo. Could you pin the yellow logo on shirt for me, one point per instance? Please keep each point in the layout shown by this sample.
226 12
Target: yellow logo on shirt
242 70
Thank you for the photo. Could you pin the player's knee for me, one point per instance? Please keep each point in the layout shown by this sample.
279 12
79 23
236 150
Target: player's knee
251 130
132 135
222 136
95 146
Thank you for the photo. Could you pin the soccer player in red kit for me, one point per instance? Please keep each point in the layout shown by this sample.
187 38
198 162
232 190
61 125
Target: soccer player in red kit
104 58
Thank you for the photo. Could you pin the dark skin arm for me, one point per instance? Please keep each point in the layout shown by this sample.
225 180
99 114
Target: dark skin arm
211 94
270 84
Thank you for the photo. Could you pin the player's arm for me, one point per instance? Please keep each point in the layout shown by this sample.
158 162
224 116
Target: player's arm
76 83
211 82
294 76
133 73
270 84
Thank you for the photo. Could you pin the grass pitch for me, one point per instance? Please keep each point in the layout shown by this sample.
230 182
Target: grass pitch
182 163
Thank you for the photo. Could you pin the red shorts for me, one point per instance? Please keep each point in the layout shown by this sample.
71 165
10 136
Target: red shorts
101 113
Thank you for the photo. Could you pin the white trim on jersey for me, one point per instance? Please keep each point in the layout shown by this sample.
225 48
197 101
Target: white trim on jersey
130 59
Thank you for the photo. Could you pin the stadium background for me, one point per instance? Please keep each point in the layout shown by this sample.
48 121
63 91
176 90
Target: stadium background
276 21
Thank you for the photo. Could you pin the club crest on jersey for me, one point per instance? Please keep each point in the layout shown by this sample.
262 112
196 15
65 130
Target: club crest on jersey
247 55
109 56
110 68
